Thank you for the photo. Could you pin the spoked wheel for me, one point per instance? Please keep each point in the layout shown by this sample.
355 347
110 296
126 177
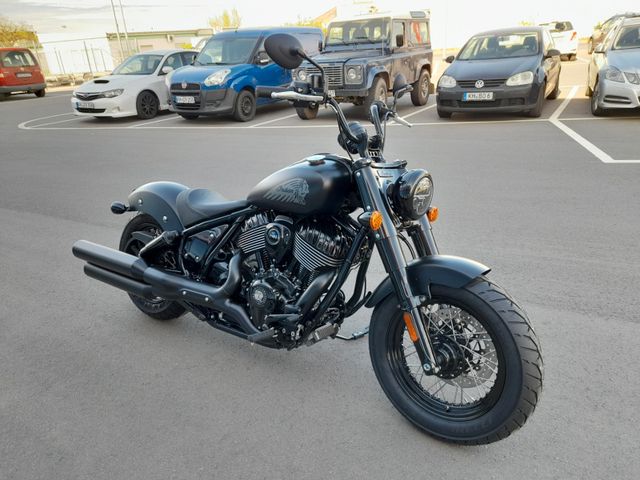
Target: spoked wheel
147 105
158 308
491 367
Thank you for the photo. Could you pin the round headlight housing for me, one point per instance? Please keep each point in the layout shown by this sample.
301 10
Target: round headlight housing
412 194
302 75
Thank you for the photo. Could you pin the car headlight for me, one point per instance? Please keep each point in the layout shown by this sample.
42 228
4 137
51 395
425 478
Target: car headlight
447 82
217 78
412 194
112 93
353 74
301 74
522 78
614 74
633 77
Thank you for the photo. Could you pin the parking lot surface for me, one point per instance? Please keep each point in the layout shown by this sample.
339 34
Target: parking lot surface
91 388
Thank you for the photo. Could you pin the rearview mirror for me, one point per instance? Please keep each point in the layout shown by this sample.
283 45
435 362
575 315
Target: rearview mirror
166 69
286 50
552 52
450 59
399 40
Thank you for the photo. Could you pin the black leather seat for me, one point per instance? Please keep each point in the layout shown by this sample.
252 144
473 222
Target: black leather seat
196 205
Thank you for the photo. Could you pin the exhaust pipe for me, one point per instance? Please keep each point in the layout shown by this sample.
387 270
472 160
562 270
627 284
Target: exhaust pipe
133 275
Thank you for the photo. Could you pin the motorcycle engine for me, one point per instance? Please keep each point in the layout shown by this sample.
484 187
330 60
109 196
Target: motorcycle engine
284 258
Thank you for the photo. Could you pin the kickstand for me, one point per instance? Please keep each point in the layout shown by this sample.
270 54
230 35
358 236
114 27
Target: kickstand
354 335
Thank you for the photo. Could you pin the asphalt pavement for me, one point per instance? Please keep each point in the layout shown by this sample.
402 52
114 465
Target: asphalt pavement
91 388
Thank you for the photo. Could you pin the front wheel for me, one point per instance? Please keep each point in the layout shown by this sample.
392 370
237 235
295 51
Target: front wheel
147 105
491 366
245 106
307 113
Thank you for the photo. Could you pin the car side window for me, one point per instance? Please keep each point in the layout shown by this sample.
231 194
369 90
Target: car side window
419 34
188 57
398 29
174 61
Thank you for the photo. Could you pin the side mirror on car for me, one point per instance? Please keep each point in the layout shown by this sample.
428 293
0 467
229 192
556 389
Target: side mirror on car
450 59
552 52
599 48
262 58
166 69
400 40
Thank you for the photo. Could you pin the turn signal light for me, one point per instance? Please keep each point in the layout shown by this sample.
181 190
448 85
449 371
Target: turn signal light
375 221
432 214
408 321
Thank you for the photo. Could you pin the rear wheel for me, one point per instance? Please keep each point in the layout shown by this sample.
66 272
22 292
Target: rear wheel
491 366
158 308
40 93
420 92
308 113
245 106
147 105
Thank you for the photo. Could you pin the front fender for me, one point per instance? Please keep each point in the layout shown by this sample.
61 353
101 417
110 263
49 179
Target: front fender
446 270
377 70
243 81
158 199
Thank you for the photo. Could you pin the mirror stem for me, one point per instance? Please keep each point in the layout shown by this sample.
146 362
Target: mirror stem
325 87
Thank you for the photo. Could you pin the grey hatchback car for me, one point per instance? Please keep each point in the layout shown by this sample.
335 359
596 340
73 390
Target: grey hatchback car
614 70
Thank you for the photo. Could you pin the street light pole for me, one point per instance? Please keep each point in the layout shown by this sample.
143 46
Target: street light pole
115 19
124 24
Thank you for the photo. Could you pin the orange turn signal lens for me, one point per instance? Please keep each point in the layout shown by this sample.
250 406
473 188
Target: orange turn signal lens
408 321
375 221
432 214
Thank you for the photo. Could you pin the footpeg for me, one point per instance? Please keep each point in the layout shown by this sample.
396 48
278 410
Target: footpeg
354 335
323 332
262 336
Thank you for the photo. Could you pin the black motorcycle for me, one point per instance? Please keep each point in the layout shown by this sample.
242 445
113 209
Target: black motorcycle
452 351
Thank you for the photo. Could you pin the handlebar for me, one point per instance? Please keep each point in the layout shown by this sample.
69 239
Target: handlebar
289 95
266 92
402 121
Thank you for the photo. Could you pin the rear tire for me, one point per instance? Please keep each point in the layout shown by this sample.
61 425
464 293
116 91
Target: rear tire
420 92
147 105
159 309
40 93
308 113
491 335
245 106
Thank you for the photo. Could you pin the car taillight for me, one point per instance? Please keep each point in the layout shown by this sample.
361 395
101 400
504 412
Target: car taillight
573 35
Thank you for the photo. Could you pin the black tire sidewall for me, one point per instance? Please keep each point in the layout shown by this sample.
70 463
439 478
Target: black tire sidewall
388 316
238 113
307 113
417 97
372 94
150 95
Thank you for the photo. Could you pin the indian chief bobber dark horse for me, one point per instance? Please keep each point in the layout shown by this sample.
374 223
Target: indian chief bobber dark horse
451 350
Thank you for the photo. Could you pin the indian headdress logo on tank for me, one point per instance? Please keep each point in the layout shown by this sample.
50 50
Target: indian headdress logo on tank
291 191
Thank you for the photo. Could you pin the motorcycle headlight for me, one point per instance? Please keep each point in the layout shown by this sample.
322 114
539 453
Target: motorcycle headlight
522 78
412 194
301 74
353 74
614 74
217 78
447 82
112 93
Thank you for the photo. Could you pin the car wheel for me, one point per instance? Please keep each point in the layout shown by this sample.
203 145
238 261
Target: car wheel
443 114
596 109
308 113
147 105
420 92
556 91
590 47
536 111
245 107
40 93
378 91
188 116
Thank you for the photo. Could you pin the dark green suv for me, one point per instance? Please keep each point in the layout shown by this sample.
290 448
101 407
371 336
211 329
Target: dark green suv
362 56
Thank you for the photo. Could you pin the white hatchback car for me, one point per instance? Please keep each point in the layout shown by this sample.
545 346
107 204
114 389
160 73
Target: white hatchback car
135 87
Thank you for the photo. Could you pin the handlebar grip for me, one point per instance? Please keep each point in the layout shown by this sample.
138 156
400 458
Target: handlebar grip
265 92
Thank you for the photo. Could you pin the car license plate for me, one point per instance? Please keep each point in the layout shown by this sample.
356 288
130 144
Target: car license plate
85 105
23 74
180 99
481 96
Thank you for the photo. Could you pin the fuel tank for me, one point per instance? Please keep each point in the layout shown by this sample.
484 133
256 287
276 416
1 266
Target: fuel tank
318 185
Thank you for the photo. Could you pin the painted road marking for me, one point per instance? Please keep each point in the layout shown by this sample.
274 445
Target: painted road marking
170 117
257 125
24 127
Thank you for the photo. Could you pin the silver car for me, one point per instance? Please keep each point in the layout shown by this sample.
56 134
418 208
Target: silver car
614 70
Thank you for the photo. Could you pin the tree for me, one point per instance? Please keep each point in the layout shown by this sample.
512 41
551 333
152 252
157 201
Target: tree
306 22
14 34
226 20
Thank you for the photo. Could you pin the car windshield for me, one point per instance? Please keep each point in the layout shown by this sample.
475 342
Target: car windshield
374 30
629 37
227 51
144 64
486 47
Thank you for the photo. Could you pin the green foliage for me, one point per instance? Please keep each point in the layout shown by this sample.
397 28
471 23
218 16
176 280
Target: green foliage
226 19
14 34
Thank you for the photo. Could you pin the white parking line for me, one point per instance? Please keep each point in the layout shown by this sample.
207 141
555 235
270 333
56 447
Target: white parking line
23 124
272 121
136 125
423 109
593 149
36 127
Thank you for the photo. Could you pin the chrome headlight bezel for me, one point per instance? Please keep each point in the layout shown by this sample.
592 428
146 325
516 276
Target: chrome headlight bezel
412 194
632 77
614 74
447 81
520 79
217 78
353 74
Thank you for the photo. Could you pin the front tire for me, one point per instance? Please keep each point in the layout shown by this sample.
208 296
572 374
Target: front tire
493 379
245 106
147 105
159 309
536 111
444 114
308 113
378 91
596 109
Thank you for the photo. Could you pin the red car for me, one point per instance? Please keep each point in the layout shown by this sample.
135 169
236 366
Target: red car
20 72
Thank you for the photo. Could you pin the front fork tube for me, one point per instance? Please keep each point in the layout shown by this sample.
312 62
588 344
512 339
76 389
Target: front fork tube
395 264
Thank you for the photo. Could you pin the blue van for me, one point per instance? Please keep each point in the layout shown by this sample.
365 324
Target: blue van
224 76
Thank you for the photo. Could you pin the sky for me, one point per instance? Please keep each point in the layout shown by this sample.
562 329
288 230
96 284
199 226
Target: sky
452 23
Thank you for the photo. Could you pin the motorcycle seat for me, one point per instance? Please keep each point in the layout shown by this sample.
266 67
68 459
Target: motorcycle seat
196 205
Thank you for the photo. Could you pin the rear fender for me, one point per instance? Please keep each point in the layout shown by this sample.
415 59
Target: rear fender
158 199
446 270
